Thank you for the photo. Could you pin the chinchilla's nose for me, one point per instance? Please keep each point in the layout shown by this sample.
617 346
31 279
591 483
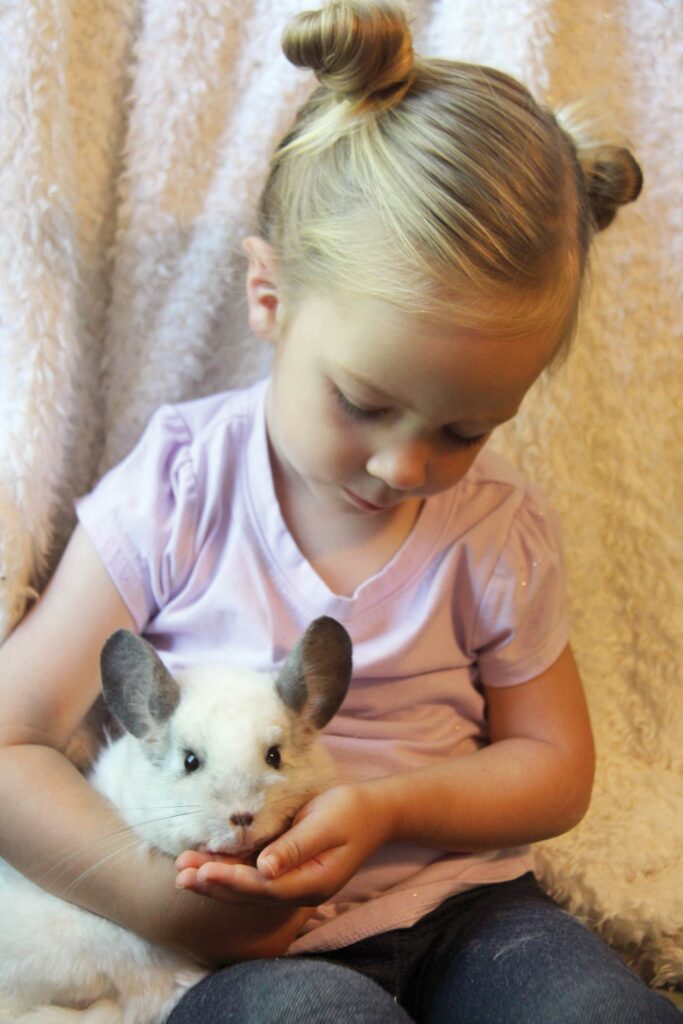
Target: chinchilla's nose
243 820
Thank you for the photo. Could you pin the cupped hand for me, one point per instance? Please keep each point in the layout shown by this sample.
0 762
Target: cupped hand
329 840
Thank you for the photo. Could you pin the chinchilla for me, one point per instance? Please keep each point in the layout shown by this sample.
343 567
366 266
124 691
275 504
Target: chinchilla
216 759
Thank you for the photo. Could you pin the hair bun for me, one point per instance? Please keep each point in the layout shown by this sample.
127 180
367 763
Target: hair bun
613 178
357 48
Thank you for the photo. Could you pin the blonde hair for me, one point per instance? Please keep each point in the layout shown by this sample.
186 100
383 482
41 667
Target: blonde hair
440 186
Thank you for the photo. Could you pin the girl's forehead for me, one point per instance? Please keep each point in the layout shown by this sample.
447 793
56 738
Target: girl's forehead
425 362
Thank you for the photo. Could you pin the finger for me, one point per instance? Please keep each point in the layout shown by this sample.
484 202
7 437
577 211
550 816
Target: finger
218 890
303 842
305 886
191 859
195 859
187 879
237 878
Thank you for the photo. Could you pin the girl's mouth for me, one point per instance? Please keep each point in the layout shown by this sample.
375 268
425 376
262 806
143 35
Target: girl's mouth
359 502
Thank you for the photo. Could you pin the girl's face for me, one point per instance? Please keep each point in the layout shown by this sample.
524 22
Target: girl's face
369 406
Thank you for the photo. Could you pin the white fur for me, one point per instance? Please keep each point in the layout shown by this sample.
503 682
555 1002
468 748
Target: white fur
104 1011
51 951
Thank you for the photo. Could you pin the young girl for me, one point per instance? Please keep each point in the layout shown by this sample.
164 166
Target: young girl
422 240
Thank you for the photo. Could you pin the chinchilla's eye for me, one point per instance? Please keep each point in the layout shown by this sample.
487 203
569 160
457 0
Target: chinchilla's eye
191 762
273 757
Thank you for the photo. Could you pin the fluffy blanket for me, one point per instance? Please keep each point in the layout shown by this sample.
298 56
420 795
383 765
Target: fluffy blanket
134 136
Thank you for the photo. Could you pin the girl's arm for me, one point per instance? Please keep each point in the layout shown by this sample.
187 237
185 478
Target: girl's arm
55 828
533 781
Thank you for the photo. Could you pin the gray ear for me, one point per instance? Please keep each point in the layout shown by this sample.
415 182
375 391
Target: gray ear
317 673
138 688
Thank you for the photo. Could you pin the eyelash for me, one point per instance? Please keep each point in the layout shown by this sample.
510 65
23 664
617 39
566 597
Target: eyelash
464 442
355 412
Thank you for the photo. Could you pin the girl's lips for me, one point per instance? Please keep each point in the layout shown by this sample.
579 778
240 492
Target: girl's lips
367 506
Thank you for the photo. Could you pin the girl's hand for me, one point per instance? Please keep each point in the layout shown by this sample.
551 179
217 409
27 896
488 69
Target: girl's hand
330 838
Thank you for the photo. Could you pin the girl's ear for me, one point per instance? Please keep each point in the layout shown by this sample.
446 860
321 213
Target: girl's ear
263 289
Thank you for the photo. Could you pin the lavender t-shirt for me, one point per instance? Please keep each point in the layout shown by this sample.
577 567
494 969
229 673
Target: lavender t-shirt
190 530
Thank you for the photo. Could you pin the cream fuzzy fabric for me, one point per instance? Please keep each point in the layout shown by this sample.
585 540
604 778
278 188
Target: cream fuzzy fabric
134 139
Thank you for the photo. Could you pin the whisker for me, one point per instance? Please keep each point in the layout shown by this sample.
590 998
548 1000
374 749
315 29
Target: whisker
119 851
97 866
62 862
288 803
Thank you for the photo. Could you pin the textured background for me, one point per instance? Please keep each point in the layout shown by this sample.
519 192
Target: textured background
133 138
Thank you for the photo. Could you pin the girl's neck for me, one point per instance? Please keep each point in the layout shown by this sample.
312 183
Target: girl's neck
343 549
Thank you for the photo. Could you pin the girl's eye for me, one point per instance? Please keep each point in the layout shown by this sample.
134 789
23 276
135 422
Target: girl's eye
273 757
191 762
458 441
356 412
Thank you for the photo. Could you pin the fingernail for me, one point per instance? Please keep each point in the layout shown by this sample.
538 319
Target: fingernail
268 865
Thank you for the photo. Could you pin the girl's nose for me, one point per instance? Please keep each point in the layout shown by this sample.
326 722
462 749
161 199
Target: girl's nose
402 466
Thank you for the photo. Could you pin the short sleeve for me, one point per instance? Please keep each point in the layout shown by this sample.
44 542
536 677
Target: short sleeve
142 517
521 626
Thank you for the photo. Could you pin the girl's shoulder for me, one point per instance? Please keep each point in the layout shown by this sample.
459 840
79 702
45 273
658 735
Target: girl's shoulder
178 491
200 439
212 417
496 499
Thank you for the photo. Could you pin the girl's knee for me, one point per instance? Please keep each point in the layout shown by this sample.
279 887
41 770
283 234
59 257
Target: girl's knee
534 964
600 999
287 991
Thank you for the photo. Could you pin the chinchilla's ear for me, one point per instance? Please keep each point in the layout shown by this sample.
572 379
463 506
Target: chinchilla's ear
138 688
314 679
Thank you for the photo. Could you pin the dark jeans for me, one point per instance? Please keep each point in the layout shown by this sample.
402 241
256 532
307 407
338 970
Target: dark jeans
497 954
